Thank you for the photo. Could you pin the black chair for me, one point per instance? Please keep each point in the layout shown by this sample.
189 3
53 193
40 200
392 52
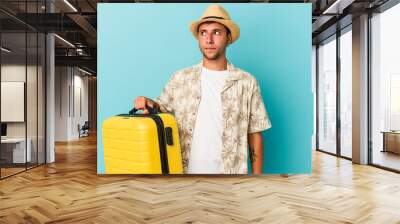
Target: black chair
84 130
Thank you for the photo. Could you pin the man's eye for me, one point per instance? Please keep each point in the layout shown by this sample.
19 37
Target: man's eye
202 33
217 32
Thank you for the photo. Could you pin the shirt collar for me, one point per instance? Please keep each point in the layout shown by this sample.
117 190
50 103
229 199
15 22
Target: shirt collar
234 74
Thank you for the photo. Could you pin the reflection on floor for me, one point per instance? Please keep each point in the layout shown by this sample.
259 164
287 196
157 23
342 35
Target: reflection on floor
386 159
346 152
10 169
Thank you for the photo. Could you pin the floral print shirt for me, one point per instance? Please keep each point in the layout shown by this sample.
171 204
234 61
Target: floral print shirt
243 112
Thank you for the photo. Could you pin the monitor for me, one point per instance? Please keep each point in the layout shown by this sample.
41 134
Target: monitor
3 129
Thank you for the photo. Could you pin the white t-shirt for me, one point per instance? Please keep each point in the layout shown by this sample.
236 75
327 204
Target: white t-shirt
205 154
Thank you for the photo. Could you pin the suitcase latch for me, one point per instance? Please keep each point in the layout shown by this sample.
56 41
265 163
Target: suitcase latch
168 133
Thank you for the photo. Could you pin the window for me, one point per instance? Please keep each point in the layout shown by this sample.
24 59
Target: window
385 88
346 93
394 102
327 96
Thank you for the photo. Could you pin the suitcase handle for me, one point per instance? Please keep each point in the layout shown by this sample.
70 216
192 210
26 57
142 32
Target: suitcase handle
150 109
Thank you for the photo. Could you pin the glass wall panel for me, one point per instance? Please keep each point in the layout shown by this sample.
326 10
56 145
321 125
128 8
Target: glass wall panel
346 94
32 85
327 96
32 95
13 94
385 85
41 79
22 107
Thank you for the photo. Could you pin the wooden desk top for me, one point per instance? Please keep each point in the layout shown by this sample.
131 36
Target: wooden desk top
391 132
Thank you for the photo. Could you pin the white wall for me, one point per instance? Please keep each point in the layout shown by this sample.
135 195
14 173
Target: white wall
80 103
16 72
61 103
12 73
71 94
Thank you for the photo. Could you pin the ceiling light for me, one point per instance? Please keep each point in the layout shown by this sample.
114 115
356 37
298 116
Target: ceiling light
5 50
64 40
70 5
337 7
84 71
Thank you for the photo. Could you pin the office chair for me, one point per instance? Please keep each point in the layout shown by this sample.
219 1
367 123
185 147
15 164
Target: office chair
84 130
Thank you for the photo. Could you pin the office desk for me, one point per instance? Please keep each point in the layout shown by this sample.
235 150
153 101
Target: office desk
391 141
16 148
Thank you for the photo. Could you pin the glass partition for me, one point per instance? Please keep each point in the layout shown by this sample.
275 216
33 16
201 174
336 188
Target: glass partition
346 93
327 96
22 77
14 153
385 89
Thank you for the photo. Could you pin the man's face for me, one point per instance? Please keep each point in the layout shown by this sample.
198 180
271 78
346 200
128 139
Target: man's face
213 40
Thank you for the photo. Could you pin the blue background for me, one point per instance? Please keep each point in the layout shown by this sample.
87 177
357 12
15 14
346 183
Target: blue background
141 45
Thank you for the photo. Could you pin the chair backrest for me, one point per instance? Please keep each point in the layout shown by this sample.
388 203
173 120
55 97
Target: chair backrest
86 125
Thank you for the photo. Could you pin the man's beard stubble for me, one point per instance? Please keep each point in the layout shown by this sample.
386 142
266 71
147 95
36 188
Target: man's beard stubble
216 56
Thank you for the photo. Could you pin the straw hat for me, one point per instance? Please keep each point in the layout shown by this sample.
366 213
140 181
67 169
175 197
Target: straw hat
216 13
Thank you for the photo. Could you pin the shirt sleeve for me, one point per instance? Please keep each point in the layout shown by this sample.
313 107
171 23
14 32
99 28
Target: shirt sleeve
259 120
166 98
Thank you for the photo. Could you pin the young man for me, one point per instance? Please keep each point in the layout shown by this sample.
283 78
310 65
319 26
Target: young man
218 108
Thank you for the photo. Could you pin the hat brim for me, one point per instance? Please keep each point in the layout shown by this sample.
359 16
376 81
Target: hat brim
234 29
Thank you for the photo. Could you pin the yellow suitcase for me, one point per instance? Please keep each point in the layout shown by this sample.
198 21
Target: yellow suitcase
141 144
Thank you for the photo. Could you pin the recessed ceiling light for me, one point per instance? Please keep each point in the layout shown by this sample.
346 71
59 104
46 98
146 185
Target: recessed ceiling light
84 71
64 40
337 7
70 5
5 50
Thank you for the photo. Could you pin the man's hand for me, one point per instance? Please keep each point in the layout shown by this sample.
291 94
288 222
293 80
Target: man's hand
142 103
256 151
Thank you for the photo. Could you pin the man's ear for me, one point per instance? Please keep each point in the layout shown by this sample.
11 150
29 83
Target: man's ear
229 38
